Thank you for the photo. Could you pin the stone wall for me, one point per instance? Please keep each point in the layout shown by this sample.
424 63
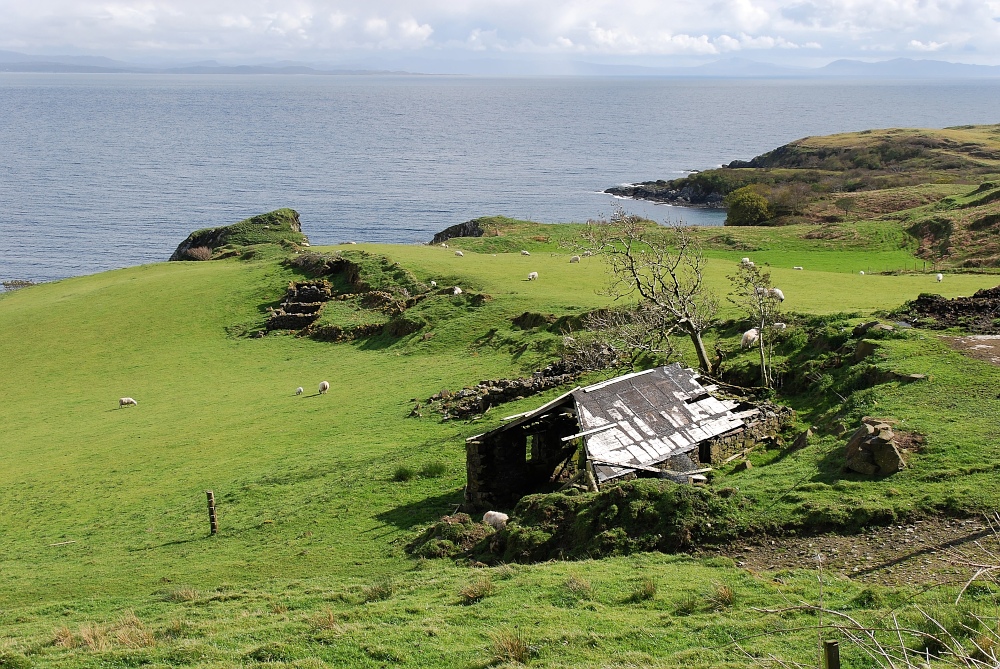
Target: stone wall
762 427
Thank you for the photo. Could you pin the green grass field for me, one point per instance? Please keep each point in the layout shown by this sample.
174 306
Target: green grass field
103 509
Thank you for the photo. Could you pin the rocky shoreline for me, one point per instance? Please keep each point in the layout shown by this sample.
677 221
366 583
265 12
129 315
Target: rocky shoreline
688 195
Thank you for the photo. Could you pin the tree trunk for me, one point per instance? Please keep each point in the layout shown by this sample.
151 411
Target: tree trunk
699 348
765 377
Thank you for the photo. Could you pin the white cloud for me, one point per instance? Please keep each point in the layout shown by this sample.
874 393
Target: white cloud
638 28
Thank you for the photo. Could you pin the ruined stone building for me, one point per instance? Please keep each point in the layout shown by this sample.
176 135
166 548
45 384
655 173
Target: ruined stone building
660 422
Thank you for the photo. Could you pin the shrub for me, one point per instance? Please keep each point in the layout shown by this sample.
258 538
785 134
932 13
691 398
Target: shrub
746 207
199 253
479 589
403 473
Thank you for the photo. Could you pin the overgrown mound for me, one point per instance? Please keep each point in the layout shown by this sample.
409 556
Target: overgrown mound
449 537
275 227
637 515
979 313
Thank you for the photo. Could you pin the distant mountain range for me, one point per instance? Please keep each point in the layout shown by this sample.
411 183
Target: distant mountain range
11 61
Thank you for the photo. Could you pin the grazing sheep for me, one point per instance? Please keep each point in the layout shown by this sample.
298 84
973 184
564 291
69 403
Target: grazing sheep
348 242
443 245
524 253
434 284
940 278
587 254
299 390
750 337
760 291
778 326
532 276
323 387
459 254
862 272
777 294
496 520
746 262
797 267
127 402
574 259
456 291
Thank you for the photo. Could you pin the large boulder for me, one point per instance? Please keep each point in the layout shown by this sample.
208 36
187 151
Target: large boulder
872 449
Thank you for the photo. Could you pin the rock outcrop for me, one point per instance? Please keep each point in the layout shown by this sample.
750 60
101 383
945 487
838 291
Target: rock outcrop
273 227
872 449
467 229
300 306
979 313
666 191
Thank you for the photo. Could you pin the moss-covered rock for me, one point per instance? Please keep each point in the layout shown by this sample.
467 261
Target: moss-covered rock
275 227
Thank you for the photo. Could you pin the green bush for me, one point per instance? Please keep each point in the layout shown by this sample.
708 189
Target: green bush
747 207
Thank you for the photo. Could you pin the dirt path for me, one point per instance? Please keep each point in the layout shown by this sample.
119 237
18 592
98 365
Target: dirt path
980 347
923 552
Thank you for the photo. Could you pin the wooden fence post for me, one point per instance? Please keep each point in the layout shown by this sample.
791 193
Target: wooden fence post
831 649
212 520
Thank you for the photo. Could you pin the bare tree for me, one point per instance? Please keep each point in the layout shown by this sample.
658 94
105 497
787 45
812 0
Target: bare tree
632 334
757 298
663 266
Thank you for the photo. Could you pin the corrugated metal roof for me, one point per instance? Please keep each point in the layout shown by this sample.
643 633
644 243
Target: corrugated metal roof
648 418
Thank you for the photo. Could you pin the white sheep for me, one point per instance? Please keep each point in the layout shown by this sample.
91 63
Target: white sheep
496 520
456 291
797 267
750 337
587 254
746 262
443 245
574 259
299 390
524 253
862 272
532 276
459 254
940 277
127 402
761 291
323 387
777 294
778 326
434 284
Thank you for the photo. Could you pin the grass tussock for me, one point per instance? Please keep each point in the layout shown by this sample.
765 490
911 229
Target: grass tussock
433 470
479 589
63 637
403 474
130 632
579 587
181 595
644 591
378 591
722 597
510 646
326 621
94 637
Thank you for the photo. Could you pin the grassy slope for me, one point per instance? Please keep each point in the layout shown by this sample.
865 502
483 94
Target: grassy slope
308 509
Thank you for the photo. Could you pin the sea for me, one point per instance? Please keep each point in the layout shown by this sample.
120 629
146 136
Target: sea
101 171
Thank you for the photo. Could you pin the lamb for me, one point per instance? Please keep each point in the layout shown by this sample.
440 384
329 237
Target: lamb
797 267
532 276
777 294
434 284
750 337
127 402
524 253
456 291
496 520
940 277
574 259
459 254
746 262
323 387
299 390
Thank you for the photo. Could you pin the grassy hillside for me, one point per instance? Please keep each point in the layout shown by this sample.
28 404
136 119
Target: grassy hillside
104 508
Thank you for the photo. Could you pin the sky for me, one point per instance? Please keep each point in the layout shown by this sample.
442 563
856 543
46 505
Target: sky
651 33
